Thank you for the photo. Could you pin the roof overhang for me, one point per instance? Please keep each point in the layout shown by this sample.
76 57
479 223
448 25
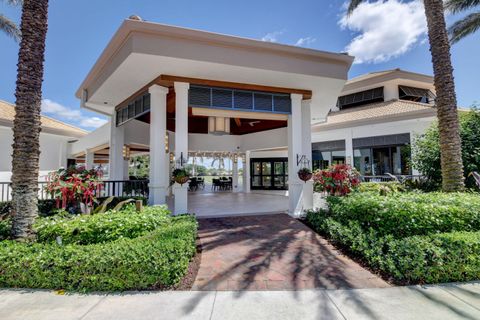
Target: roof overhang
140 52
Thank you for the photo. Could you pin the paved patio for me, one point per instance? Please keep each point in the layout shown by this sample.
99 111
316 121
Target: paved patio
226 203
273 252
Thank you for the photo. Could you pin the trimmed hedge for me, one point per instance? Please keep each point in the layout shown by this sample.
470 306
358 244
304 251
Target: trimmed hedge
444 257
158 258
97 228
408 214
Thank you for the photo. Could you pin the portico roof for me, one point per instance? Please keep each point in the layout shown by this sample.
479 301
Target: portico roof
141 52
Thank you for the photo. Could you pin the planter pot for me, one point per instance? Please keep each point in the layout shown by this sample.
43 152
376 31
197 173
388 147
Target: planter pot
304 176
182 180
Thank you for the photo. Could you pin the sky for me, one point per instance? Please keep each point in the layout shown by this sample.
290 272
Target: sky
381 35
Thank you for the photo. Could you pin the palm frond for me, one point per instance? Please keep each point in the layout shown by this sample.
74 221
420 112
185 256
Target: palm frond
353 5
14 2
456 6
10 28
464 27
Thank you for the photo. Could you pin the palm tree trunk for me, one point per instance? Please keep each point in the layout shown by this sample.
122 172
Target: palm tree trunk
450 143
26 126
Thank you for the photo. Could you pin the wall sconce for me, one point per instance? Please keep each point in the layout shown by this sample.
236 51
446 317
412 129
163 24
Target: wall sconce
235 158
166 143
126 152
172 157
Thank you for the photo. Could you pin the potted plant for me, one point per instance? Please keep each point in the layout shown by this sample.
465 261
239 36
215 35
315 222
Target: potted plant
180 176
305 174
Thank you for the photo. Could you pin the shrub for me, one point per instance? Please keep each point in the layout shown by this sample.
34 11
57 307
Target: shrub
407 214
338 179
73 185
426 149
109 226
433 258
378 187
158 258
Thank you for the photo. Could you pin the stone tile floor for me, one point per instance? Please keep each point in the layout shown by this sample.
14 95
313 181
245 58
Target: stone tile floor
273 252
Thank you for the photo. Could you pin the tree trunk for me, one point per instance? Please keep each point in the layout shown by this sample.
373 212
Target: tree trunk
450 143
27 126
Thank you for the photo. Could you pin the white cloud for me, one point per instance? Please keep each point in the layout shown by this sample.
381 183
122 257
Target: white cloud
93 122
387 29
62 113
305 42
272 36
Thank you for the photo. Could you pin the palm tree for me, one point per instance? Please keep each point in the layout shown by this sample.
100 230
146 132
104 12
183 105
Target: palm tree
468 24
26 125
446 102
7 25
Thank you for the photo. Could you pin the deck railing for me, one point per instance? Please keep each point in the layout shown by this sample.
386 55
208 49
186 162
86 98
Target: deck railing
117 188
386 178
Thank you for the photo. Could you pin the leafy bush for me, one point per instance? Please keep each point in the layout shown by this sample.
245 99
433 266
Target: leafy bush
433 258
339 179
73 185
408 214
109 226
379 187
158 258
426 149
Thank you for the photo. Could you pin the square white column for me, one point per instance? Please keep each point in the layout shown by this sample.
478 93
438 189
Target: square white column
89 159
349 147
116 160
235 187
295 152
181 142
158 184
246 172
307 193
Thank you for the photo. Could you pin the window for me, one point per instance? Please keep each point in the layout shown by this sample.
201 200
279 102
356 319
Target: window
269 173
225 98
324 159
133 109
360 98
416 94
377 161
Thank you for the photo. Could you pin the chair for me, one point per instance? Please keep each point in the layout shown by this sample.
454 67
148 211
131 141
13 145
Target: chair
193 184
216 184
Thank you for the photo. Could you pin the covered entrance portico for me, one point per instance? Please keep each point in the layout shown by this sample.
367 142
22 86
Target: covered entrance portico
179 91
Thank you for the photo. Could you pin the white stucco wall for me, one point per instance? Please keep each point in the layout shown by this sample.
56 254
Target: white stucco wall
53 153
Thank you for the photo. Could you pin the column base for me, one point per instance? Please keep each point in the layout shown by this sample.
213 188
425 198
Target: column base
157 195
295 201
180 198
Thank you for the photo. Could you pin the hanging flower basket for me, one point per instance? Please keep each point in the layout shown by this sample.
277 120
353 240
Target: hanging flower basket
180 176
305 174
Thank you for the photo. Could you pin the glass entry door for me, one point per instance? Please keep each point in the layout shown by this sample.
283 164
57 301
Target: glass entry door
268 174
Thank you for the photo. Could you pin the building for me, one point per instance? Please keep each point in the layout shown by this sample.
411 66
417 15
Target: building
371 127
54 140
177 92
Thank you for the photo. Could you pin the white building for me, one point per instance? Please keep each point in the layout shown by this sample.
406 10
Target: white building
54 139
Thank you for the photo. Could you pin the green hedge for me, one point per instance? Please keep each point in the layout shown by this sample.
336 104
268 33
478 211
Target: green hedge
408 214
97 228
444 257
158 258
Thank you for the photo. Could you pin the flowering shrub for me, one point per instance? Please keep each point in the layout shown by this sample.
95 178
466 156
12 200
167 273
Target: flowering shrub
72 186
339 179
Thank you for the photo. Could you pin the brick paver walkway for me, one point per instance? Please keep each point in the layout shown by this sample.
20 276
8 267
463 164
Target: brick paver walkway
273 252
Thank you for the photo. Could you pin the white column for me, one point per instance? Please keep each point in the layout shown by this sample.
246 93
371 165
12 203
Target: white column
307 193
89 158
390 91
295 187
158 185
415 172
235 187
117 140
349 148
181 141
246 172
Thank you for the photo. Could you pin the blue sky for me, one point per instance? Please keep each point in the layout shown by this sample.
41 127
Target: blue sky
381 36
